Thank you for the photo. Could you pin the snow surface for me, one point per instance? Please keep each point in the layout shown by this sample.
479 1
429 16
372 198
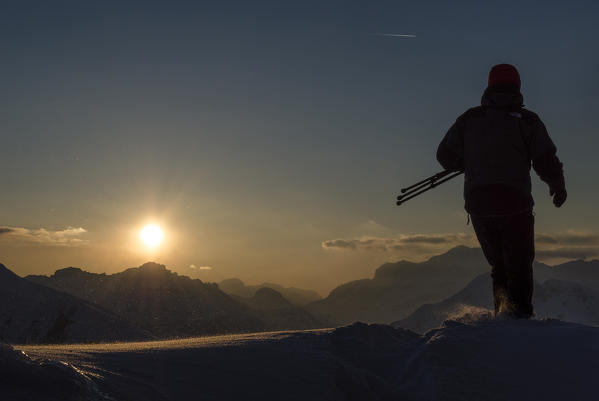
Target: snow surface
483 359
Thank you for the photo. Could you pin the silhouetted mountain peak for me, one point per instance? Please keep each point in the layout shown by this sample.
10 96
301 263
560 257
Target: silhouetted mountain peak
267 298
232 284
579 264
233 281
68 272
399 288
580 271
148 269
296 296
460 253
152 266
390 270
159 300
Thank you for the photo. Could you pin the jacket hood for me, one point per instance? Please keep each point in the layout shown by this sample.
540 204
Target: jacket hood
502 99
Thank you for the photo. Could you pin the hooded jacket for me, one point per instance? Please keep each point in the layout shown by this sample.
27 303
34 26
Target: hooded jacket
496 144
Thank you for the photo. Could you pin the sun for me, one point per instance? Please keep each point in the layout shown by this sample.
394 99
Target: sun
152 235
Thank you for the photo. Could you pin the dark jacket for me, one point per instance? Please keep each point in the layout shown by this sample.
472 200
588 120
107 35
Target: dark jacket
496 144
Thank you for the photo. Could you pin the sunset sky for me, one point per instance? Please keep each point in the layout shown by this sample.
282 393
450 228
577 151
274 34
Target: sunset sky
268 140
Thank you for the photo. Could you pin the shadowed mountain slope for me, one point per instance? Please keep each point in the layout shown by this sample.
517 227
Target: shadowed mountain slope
32 313
296 296
397 289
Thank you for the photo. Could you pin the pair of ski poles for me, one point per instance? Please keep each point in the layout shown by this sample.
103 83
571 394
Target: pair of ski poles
412 191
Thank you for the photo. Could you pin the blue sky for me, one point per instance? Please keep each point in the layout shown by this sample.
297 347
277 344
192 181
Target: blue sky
256 131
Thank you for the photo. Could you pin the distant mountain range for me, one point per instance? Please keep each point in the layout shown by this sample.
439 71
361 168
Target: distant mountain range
157 299
297 296
564 300
582 272
151 301
398 289
32 313
279 312
168 305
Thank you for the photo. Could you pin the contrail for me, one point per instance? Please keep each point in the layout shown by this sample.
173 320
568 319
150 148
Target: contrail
396 35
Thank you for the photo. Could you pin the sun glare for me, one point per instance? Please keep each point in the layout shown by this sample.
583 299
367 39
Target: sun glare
152 235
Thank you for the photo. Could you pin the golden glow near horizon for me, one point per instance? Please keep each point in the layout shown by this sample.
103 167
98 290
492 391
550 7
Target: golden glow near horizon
152 235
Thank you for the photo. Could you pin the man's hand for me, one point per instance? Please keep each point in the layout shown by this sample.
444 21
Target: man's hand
559 196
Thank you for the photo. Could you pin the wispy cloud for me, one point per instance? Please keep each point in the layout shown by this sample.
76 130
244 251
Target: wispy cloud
70 236
383 244
568 253
569 244
396 35
341 244
569 238
200 268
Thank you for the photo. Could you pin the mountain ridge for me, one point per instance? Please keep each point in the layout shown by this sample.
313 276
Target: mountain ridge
33 313
552 298
171 305
397 289
297 296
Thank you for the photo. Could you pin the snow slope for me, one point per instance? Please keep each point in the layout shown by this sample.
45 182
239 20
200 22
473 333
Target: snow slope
483 360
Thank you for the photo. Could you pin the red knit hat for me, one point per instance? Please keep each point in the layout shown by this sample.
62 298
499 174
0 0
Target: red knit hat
504 74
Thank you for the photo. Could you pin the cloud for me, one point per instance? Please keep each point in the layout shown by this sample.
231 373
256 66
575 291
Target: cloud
340 244
200 268
567 245
70 236
568 253
564 245
430 239
545 239
569 238
383 244
396 35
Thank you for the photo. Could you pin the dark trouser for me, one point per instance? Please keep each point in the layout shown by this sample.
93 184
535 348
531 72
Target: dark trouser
508 245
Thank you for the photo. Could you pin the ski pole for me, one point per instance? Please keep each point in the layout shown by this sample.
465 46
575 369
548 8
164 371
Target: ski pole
427 180
427 184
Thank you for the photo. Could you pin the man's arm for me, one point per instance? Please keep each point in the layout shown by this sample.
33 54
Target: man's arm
549 168
450 153
545 161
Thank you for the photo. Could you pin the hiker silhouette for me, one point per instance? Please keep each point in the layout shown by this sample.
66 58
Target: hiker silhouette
496 144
